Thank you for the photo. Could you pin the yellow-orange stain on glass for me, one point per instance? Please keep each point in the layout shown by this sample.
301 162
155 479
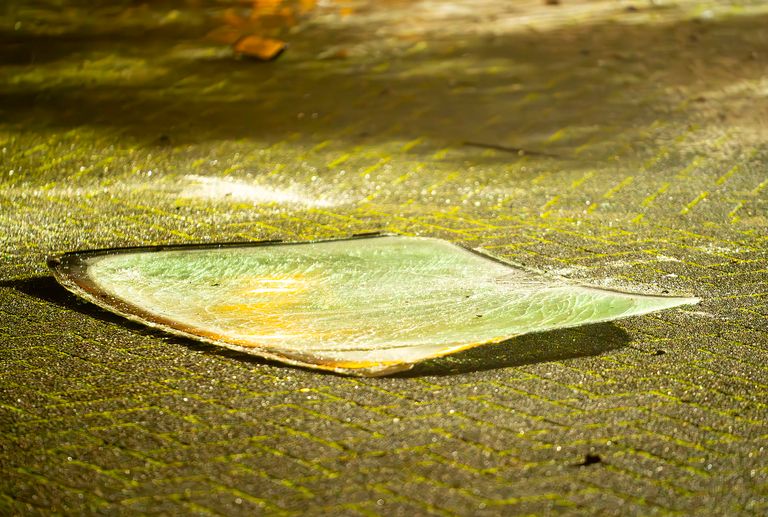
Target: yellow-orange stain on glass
260 307
363 306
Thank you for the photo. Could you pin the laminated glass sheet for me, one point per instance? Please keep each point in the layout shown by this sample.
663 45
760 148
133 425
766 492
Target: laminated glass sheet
367 306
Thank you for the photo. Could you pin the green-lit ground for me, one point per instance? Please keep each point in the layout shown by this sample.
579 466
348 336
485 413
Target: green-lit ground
646 167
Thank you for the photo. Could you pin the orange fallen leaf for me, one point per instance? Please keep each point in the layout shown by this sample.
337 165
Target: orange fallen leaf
264 49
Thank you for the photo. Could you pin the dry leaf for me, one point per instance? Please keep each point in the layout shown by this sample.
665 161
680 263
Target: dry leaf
264 49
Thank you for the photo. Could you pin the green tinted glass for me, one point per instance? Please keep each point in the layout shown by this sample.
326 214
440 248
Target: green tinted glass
366 306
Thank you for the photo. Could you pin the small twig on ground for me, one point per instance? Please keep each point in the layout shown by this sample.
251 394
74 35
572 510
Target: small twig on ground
515 150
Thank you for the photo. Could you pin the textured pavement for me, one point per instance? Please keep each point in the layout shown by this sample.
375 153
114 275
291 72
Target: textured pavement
621 144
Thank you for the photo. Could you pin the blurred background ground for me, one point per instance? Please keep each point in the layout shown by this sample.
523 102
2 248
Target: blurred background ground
619 143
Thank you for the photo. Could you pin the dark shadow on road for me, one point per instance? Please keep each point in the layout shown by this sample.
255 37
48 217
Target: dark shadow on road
555 345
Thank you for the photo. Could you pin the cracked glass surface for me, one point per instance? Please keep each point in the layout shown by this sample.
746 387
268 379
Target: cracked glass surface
364 306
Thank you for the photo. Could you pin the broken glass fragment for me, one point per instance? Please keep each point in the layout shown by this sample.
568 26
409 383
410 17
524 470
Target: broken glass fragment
368 305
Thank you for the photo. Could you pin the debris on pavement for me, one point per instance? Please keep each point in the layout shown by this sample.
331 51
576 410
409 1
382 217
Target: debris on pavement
369 305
